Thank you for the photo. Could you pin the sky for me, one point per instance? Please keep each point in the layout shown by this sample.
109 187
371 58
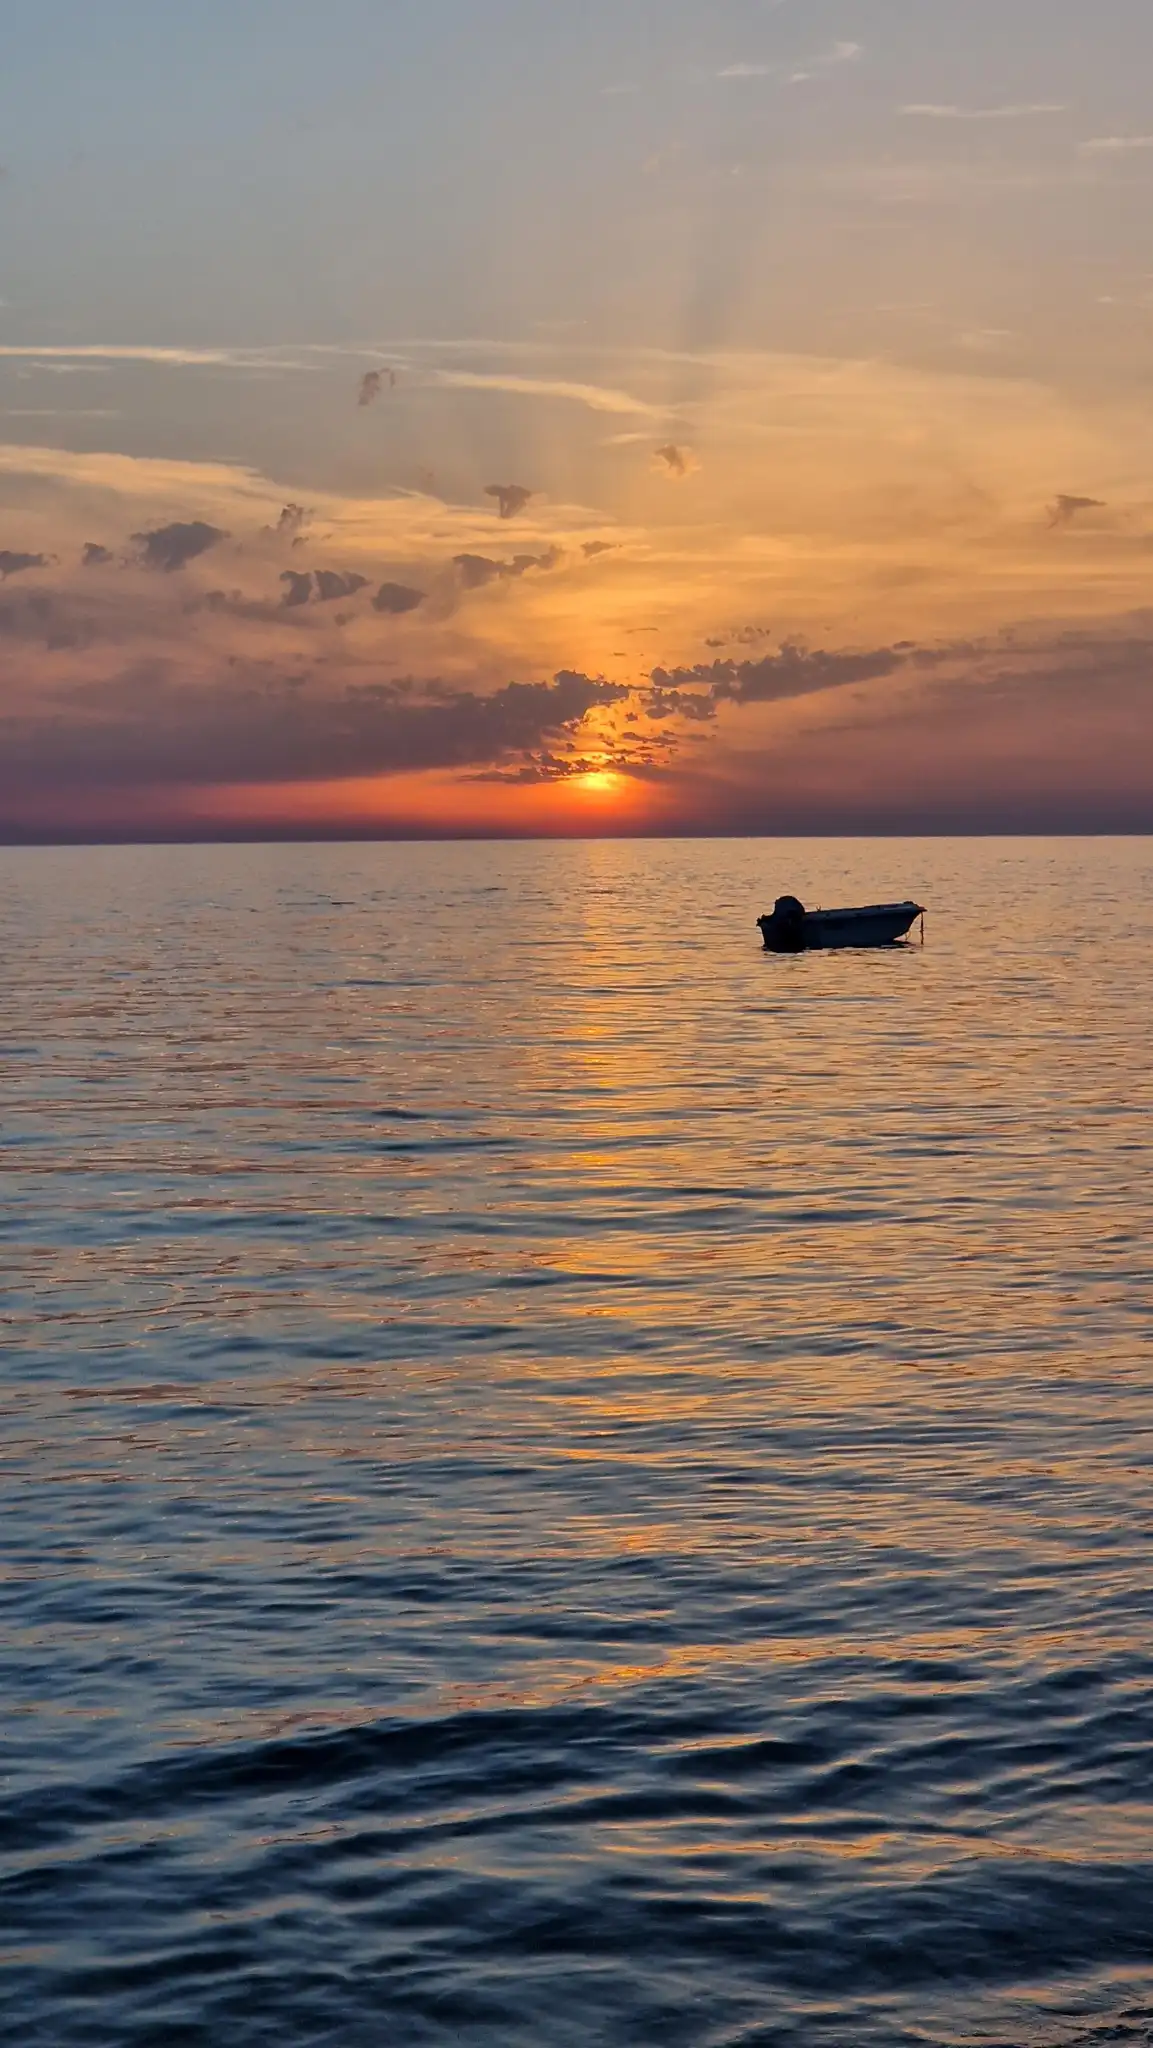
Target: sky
652 416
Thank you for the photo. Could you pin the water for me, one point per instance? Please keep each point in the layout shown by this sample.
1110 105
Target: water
568 1481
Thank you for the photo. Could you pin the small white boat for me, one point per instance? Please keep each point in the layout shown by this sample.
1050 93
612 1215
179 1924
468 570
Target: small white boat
793 929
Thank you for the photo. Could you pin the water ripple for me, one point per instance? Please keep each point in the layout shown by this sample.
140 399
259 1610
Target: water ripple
565 1480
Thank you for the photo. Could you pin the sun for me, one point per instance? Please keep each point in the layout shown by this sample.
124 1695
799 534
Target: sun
600 782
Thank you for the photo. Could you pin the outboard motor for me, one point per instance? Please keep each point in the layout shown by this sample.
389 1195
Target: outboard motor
784 931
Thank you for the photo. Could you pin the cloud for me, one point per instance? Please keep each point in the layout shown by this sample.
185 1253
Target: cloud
660 703
1115 145
826 60
1048 733
298 586
589 548
1065 508
673 461
1026 110
290 523
33 617
511 498
477 570
792 672
597 397
96 555
520 564
546 766
12 563
139 731
180 358
327 585
171 547
372 383
332 583
396 599
839 53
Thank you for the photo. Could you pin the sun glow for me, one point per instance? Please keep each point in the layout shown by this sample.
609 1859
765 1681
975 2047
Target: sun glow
600 782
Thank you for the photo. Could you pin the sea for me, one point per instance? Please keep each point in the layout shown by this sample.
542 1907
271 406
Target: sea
569 1482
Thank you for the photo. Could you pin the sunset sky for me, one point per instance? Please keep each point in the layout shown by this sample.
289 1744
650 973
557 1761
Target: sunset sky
652 415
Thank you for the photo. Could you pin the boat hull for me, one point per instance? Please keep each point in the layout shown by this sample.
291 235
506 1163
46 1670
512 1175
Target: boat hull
876 924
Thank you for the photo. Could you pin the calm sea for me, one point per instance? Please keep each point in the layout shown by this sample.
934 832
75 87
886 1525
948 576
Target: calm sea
569 1483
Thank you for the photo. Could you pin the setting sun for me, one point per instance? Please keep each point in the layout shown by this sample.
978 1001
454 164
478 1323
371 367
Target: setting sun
601 782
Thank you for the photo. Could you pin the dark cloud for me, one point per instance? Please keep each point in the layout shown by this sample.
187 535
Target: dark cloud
1026 731
691 704
14 564
674 460
1065 508
170 547
1042 734
141 730
741 636
477 570
792 672
598 547
397 598
233 602
521 564
332 583
300 585
95 555
545 767
511 498
37 617
372 384
297 586
290 523
628 757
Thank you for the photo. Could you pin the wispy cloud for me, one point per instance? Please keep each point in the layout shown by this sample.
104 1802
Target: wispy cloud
597 397
1023 111
101 352
828 60
1115 145
811 67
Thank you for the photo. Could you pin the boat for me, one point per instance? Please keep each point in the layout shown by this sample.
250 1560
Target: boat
793 929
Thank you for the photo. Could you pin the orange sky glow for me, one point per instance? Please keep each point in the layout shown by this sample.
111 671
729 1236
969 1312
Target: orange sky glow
795 473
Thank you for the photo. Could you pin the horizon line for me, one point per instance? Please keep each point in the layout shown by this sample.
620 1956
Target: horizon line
46 842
